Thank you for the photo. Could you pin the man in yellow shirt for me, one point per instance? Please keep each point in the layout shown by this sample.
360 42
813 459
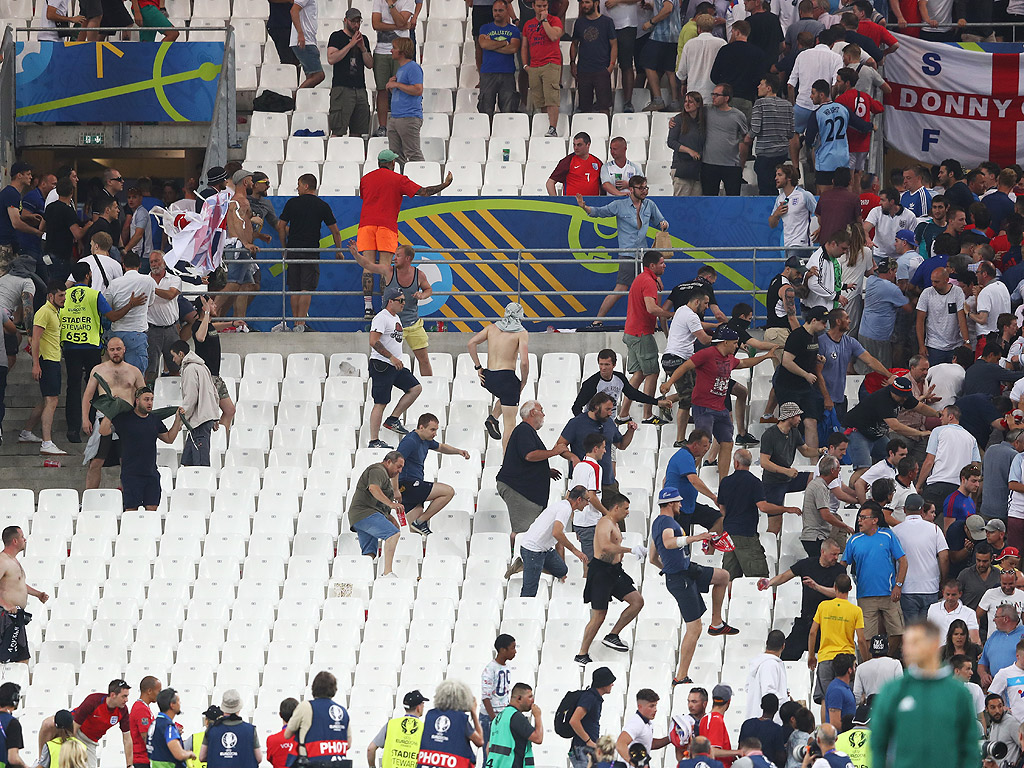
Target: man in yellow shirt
46 369
841 624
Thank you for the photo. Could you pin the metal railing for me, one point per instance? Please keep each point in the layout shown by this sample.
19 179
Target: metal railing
516 269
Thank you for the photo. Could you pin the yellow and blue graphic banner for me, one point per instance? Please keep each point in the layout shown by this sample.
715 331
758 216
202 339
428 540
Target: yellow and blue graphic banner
116 81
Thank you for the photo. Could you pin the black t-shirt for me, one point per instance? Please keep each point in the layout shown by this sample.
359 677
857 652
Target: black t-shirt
531 479
766 33
304 215
60 217
680 295
100 202
138 443
521 732
804 347
869 415
349 72
112 228
739 494
209 348
15 737
826 577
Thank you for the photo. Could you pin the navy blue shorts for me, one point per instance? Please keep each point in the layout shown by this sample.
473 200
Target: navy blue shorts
384 376
504 385
414 492
686 587
50 381
140 491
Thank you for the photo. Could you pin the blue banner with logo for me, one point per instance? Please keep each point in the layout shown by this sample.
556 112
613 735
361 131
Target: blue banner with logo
117 81
463 242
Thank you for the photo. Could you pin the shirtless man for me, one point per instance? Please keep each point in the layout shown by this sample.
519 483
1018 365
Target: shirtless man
123 378
401 274
241 270
14 592
607 579
505 339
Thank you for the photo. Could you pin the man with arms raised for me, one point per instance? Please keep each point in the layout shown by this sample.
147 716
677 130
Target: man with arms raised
14 592
505 339
241 269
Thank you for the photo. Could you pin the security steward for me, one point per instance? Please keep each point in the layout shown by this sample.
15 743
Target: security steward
512 734
231 742
195 742
321 724
400 737
64 722
11 737
856 742
80 335
164 744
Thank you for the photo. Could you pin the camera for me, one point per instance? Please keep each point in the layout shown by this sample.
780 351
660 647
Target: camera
810 748
993 750
640 758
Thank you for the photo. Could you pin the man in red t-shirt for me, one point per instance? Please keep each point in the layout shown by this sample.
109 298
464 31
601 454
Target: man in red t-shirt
278 747
642 312
712 726
870 185
578 173
714 366
542 59
141 717
878 34
382 192
863 106
97 714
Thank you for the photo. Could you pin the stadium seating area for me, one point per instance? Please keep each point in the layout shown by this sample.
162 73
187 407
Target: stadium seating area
249 577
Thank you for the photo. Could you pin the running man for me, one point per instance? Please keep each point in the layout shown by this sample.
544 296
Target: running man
387 369
504 339
382 192
14 592
413 489
415 286
124 379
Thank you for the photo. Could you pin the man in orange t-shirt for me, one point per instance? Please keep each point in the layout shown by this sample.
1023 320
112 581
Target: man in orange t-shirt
578 173
382 192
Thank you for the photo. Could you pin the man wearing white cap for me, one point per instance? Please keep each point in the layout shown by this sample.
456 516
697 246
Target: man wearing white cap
231 742
505 339
387 369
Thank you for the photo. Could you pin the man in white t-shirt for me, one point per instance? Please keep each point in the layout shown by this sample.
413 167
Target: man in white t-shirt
794 207
133 327
56 13
545 539
1005 594
496 683
686 328
102 267
950 608
616 173
390 19
950 449
993 299
387 369
963 670
885 220
587 473
1009 683
875 672
163 318
638 728
947 382
303 42
927 559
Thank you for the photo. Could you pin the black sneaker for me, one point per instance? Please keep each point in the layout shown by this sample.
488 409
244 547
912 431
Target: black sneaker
613 642
678 443
379 444
74 437
711 463
423 529
493 428
583 659
724 629
747 439
685 681
395 426
656 421
621 421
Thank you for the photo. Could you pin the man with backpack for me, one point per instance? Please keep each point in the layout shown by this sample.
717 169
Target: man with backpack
578 717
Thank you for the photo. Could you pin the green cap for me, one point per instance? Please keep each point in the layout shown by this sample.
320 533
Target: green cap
386 156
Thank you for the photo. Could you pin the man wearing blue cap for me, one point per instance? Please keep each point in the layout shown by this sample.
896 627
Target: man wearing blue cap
908 258
685 580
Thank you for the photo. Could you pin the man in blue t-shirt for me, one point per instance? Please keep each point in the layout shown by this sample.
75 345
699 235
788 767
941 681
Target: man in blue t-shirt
685 580
882 301
414 490
406 89
682 474
838 348
881 567
826 132
597 418
840 703
499 43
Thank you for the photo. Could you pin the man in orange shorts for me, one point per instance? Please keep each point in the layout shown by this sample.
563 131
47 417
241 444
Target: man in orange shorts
382 192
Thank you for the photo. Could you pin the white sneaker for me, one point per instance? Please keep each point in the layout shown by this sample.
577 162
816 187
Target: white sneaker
49 448
282 326
27 437
299 328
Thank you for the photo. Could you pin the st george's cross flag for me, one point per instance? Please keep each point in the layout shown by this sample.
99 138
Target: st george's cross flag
950 102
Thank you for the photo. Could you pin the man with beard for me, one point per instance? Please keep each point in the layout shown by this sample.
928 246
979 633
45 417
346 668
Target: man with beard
239 246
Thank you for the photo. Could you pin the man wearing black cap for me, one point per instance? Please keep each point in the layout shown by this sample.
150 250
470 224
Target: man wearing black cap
875 672
64 722
348 54
388 371
875 415
12 738
216 181
400 736
796 381
213 713
586 718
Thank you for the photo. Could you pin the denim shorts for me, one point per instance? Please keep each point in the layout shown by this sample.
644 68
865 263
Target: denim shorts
373 529
309 58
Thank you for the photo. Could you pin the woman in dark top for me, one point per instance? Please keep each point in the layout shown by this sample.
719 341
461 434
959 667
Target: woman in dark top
686 136
958 642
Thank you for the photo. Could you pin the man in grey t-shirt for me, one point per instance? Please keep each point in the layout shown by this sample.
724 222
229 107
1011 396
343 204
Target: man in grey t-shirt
941 319
995 474
725 145
819 522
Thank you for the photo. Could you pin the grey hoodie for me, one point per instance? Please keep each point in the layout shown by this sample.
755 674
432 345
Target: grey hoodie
198 392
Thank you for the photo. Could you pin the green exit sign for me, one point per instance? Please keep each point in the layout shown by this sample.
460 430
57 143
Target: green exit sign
92 139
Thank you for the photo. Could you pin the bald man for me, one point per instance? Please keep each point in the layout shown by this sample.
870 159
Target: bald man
941 319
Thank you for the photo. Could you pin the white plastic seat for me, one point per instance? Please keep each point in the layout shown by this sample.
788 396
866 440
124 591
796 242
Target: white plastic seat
304 149
344 149
423 173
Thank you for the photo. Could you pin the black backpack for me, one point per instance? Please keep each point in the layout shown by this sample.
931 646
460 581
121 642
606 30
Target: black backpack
566 708
271 101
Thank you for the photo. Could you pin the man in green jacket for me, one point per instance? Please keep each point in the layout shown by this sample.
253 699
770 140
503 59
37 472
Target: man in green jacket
925 717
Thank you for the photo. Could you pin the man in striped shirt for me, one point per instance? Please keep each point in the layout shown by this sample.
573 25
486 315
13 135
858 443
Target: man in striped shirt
771 122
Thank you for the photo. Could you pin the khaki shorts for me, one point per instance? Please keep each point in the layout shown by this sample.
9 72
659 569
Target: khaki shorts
544 84
881 613
685 187
415 336
776 336
642 353
222 388
747 559
384 68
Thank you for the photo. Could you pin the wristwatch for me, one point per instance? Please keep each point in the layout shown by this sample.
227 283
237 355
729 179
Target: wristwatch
478 367
899 584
